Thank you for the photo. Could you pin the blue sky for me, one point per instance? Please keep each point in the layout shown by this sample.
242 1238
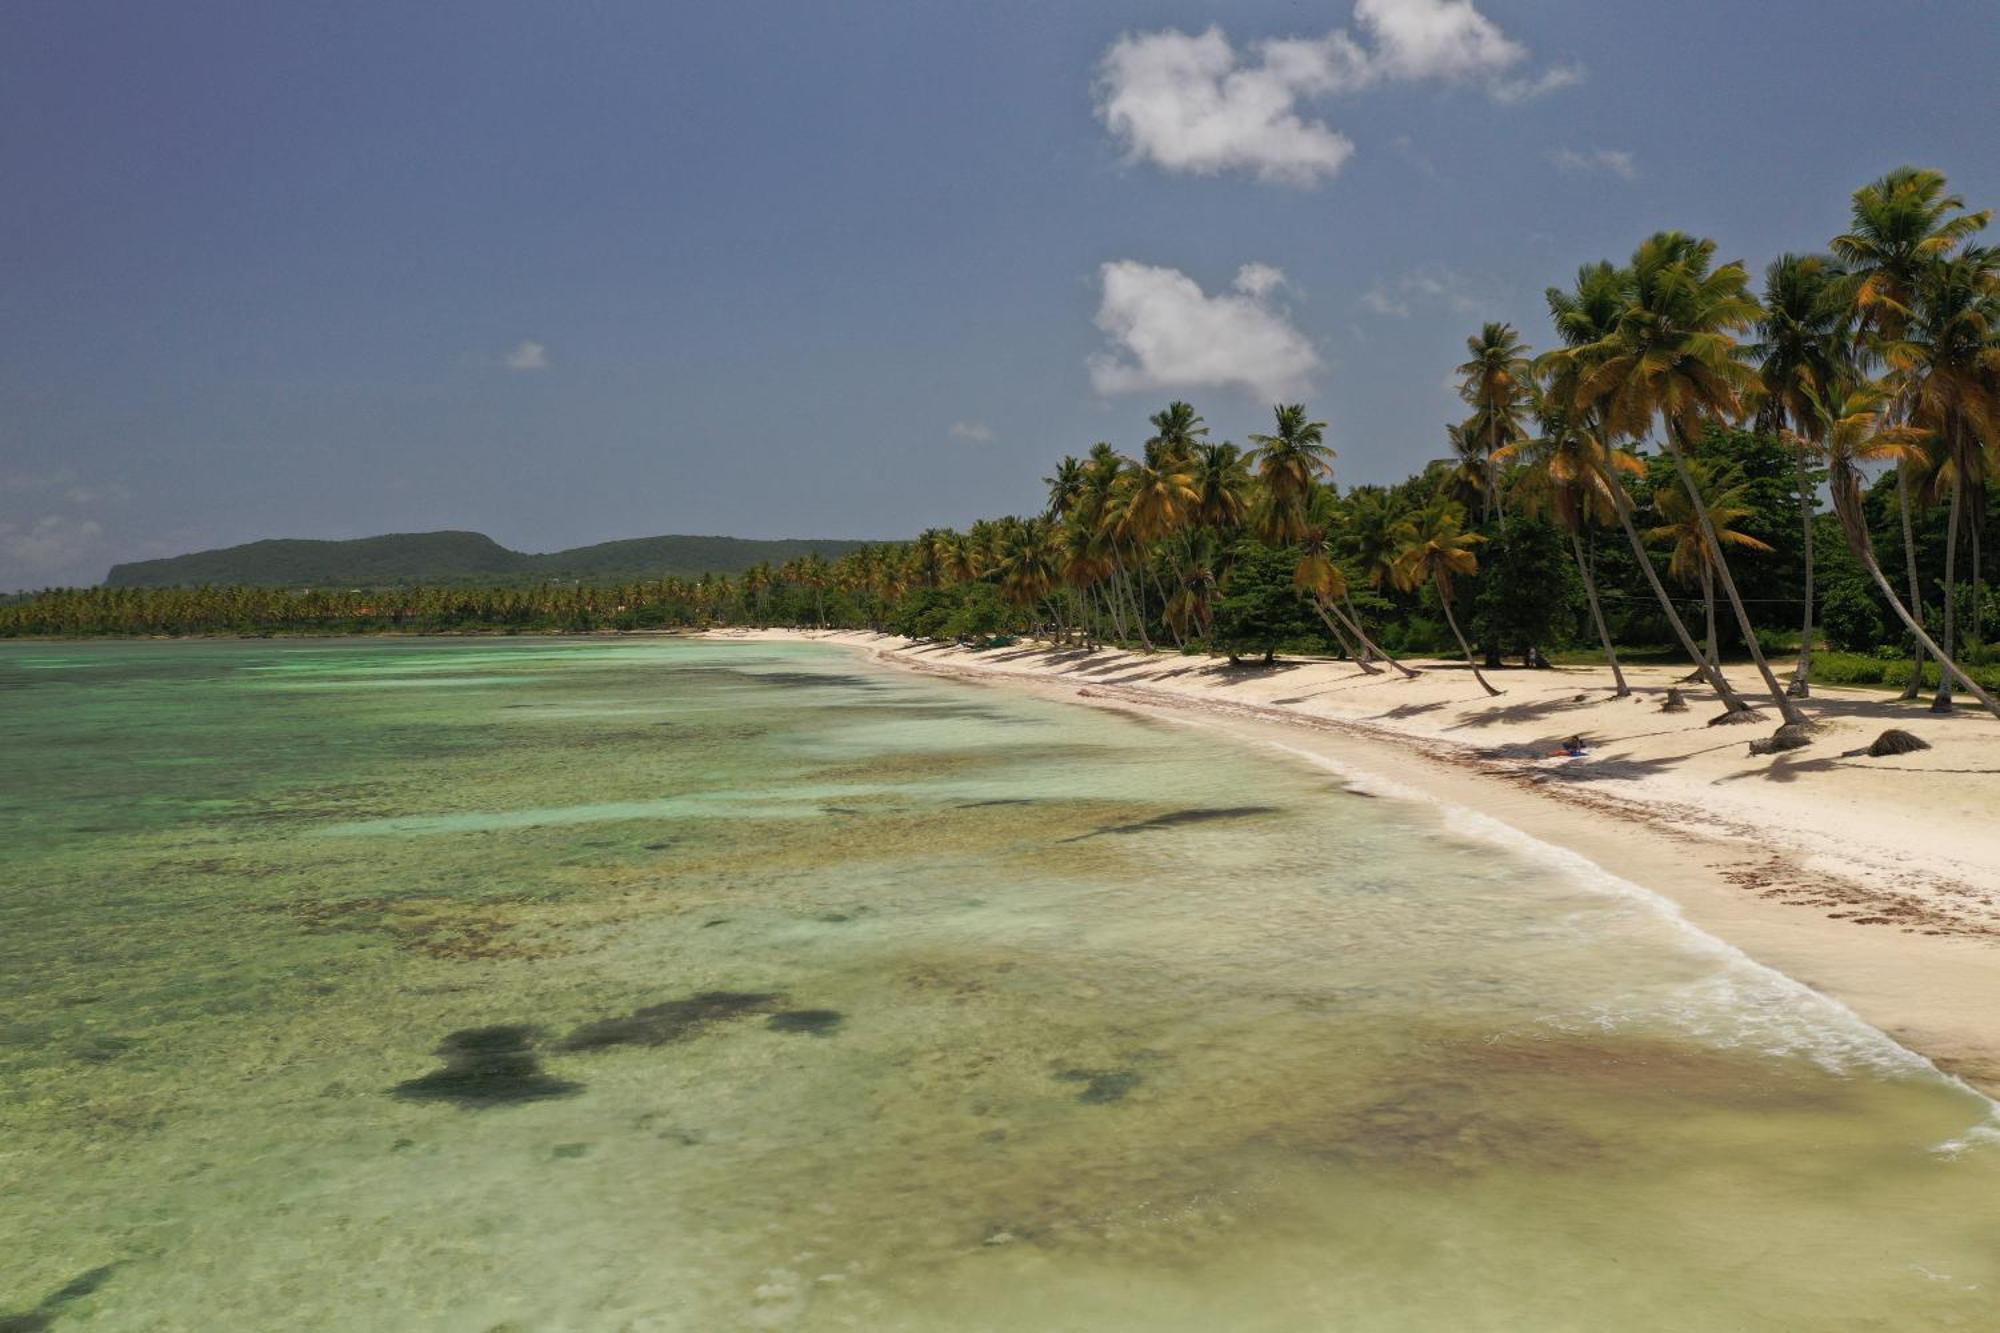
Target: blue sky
566 273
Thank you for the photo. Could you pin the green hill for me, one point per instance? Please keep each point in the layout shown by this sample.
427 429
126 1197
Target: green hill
459 557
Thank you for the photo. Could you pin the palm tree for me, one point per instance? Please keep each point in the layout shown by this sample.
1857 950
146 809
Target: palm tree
1222 487
1673 355
1851 436
1586 319
1288 463
1191 607
1566 482
1439 548
1175 433
1803 349
1946 372
1725 497
1494 383
1899 227
1066 486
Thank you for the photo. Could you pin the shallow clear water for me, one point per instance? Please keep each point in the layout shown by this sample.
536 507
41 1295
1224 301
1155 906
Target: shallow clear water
803 995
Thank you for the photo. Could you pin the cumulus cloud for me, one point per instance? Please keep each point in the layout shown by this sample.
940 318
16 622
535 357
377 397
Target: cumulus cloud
1435 39
976 431
1197 104
529 355
1193 104
1610 161
1166 333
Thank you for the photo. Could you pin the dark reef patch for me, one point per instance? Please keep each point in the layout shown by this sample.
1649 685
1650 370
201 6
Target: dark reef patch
675 1020
1101 1085
43 1316
1176 818
982 805
485 1067
812 1022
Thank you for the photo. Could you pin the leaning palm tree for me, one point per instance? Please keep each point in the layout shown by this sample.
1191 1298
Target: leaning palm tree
1900 227
1804 347
1565 482
1288 463
1945 369
1586 319
1440 548
1673 355
1319 575
1852 435
1494 383
1725 495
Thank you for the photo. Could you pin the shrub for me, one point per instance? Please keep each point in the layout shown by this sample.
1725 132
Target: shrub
1851 618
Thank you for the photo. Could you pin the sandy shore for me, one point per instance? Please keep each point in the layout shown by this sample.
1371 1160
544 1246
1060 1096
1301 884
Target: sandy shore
1876 881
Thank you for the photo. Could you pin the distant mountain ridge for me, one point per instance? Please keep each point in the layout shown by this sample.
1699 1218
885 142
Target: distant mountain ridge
460 557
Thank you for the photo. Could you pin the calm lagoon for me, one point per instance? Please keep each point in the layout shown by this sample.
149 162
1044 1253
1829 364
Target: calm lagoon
656 984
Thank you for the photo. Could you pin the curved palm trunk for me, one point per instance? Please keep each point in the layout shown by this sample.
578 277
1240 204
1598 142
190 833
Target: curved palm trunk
1597 615
1916 685
1855 525
1352 620
1706 669
1801 686
1444 596
1941 703
1787 710
1708 609
1340 636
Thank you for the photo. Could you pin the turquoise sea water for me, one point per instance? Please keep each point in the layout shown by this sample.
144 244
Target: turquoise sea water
677 985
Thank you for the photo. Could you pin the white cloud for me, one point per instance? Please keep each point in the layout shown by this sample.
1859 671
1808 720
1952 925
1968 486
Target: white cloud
1196 104
976 431
1432 285
1435 39
52 542
1609 160
529 355
1166 333
1192 104
1553 79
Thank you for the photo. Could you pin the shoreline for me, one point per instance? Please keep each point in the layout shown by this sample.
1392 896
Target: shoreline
1869 881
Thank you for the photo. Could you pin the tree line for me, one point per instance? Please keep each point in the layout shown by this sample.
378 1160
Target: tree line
1736 472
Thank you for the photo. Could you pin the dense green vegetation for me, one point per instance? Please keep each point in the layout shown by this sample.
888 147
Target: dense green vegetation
1659 476
449 558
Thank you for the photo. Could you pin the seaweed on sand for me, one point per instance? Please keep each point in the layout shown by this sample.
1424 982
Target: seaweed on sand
486 1067
675 1020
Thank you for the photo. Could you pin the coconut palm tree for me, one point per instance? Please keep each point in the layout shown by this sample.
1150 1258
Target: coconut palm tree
1565 482
1945 371
1066 486
1673 355
1288 463
1803 348
1725 495
1176 431
1586 319
1222 487
1851 436
1899 227
1440 548
1494 383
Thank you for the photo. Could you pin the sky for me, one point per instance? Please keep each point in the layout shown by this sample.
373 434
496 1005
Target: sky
565 273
